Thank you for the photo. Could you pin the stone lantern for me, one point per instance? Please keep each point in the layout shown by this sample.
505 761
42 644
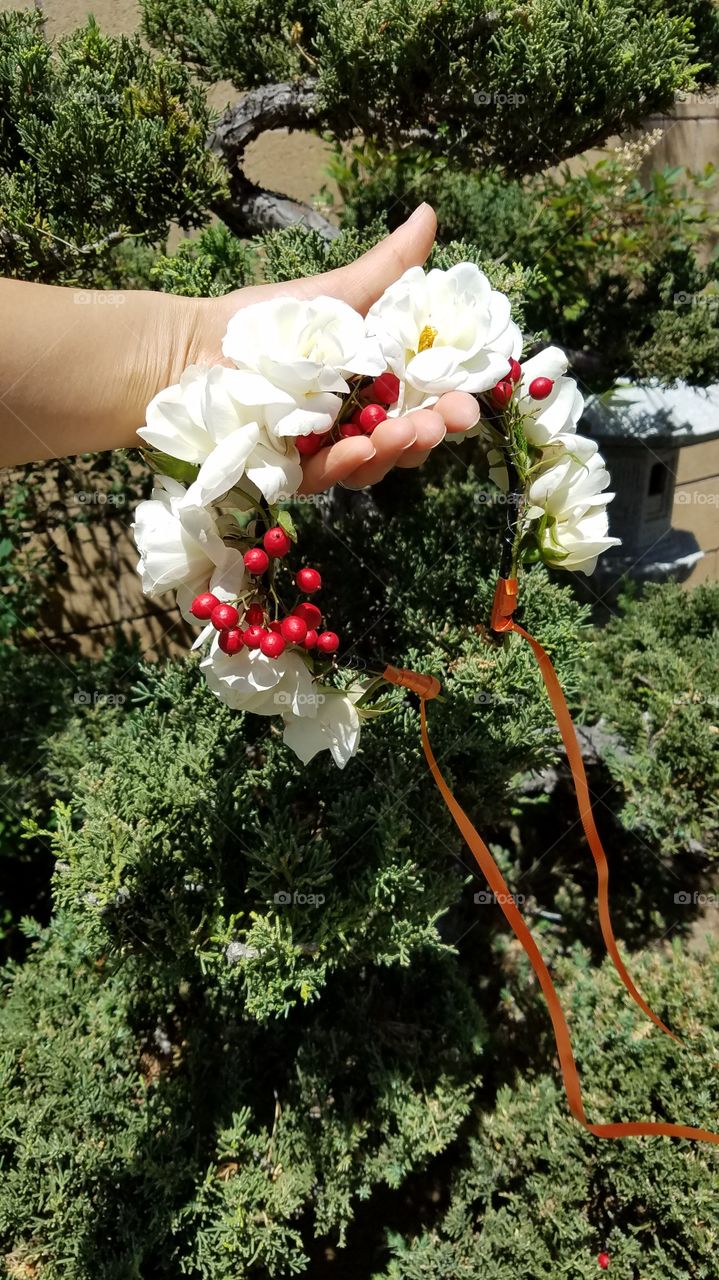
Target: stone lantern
642 431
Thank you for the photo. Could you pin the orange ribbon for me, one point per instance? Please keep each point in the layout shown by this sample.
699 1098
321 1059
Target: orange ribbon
427 687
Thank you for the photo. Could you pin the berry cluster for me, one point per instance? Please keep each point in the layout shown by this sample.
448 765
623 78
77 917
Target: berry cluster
363 419
300 627
501 394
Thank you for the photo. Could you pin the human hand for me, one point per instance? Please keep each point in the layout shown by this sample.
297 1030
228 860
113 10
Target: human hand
397 442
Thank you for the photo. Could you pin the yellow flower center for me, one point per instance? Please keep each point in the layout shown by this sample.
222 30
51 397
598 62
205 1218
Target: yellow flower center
426 338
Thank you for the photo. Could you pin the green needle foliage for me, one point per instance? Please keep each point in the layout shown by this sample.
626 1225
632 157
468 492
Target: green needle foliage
267 1019
517 85
99 143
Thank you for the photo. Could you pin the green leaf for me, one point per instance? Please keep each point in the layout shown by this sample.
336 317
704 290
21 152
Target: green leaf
175 468
285 521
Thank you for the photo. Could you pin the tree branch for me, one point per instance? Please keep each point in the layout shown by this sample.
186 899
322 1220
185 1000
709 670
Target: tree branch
252 209
272 106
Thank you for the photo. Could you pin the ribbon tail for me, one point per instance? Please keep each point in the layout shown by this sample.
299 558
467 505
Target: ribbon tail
581 787
498 885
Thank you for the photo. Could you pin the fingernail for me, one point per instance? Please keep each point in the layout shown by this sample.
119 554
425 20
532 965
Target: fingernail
441 438
414 217
409 446
474 421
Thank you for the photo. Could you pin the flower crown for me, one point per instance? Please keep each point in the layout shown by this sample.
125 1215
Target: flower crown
227 446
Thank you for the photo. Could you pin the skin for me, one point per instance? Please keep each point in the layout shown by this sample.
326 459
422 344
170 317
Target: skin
77 367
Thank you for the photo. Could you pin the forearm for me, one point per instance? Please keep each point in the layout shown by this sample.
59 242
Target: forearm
78 367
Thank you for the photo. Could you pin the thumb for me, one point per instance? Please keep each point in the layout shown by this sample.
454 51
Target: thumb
359 284
364 281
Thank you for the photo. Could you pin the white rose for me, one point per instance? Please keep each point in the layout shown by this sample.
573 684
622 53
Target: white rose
334 728
569 482
248 681
561 410
576 540
443 331
304 348
181 549
219 419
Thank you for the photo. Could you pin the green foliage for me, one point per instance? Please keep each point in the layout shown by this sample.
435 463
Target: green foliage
534 1196
515 86
279 1051
99 142
213 263
621 282
651 677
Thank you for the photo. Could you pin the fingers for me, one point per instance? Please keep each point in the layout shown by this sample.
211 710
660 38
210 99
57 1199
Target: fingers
364 281
430 430
459 410
396 442
329 466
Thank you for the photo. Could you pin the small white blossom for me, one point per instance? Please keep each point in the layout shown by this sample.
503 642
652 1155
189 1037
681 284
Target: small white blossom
219 419
560 412
443 331
249 681
334 728
305 349
181 549
576 539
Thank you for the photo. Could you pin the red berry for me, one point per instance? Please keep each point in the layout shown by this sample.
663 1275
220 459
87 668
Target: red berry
294 629
256 560
310 639
272 644
502 393
254 636
371 416
231 641
224 616
385 389
328 642
255 615
275 626
203 605
540 388
349 429
309 612
603 1260
515 370
276 542
307 445
308 580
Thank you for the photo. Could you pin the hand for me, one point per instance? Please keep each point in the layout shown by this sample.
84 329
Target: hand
78 367
399 442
